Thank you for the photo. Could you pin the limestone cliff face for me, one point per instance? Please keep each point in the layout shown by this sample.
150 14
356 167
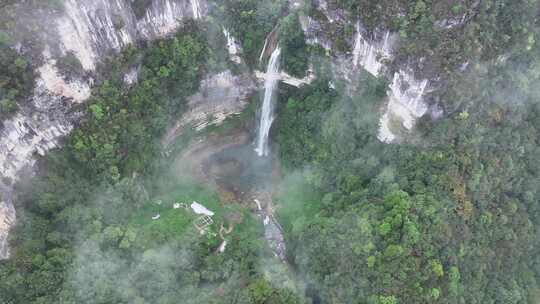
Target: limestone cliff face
90 30
7 219
405 102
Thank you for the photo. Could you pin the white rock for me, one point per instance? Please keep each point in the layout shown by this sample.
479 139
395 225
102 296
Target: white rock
233 47
370 54
56 84
7 219
288 79
196 8
131 77
405 105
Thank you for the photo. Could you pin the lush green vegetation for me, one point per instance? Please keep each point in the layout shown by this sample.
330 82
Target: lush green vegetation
16 78
450 32
449 216
250 21
442 223
295 51
86 233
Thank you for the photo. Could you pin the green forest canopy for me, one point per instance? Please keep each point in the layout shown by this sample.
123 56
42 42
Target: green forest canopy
450 215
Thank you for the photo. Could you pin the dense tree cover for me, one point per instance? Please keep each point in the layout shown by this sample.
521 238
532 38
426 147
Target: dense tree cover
450 215
294 53
250 21
16 78
85 233
168 74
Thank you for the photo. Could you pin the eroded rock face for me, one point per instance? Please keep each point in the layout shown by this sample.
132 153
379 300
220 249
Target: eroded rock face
405 102
233 47
220 96
33 130
90 30
36 129
405 105
7 219
371 54
77 90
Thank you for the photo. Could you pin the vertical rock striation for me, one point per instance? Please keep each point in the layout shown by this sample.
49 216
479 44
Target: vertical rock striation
405 102
220 95
89 30
233 47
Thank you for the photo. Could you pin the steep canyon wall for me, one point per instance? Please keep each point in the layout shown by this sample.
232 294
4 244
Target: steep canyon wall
90 30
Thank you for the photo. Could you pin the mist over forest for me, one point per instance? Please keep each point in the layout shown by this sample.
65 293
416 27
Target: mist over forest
267 152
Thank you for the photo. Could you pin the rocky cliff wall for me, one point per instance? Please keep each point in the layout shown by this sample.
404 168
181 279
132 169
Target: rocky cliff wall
371 52
89 30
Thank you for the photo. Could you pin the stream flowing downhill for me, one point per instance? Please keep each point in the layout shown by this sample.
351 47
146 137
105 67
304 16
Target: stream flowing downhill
238 170
272 231
196 7
267 112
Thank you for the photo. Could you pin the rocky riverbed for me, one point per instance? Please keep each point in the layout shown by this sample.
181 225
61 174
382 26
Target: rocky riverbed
230 164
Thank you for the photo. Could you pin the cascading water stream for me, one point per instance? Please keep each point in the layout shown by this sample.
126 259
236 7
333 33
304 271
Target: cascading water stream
196 7
232 46
267 112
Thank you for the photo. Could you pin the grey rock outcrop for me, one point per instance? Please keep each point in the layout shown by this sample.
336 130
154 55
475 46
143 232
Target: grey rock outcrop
220 95
405 102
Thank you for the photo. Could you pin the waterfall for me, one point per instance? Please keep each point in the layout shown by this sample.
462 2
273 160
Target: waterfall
196 7
267 113
263 50
232 46
91 30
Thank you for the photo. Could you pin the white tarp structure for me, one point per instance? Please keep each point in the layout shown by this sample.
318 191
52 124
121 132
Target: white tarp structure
221 247
200 209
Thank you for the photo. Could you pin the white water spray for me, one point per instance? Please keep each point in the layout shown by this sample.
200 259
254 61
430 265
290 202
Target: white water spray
196 7
267 113
261 56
